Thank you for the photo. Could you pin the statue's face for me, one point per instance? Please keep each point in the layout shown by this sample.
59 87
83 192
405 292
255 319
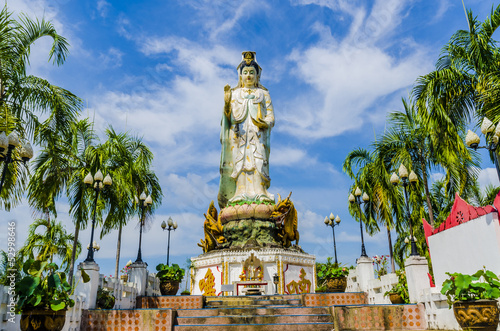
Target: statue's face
248 76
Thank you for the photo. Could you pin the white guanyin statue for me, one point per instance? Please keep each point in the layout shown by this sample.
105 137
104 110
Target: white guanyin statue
245 136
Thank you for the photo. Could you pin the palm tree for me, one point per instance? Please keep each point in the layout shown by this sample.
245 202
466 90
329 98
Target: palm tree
412 141
52 241
61 167
451 95
129 162
24 96
373 178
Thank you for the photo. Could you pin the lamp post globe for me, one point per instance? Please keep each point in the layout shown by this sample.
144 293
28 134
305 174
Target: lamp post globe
332 222
356 198
169 226
96 183
144 203
407 180
7 146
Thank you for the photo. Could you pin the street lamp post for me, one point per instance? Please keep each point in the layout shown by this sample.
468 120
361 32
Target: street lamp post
171 226
472 140
7 146
406 181
98 182
143 204
356 198
333 222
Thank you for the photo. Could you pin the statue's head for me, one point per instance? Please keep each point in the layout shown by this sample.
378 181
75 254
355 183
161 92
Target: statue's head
245 68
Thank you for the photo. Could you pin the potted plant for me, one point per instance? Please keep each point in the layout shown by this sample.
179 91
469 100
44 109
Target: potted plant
170 277
125 270
105 300
399 292
474 299
381 263
185 292
332 275
44 295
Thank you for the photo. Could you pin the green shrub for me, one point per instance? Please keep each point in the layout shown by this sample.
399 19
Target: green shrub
166 272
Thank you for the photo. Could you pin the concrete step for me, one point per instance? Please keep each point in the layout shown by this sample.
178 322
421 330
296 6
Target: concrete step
258 327
275 318
253 319
253 311
253 301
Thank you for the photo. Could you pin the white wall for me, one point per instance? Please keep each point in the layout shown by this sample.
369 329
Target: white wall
466 248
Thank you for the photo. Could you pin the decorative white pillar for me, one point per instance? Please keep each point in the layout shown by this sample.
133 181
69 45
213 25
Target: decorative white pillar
417 276
365 272
87 291
138 274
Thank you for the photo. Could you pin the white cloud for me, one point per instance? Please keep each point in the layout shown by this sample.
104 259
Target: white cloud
111 59
348 77
220 18
103 7
443 8
488 176
289 156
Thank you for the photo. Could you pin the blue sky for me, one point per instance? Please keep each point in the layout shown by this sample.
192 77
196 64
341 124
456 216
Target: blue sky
334 69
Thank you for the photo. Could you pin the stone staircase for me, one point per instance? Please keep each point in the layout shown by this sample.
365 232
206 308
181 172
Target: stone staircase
311 311
265 318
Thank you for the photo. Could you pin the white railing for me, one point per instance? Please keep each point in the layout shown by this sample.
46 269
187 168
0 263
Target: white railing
125 298
125 293
6 319
74 315
376 286
352 281
153 286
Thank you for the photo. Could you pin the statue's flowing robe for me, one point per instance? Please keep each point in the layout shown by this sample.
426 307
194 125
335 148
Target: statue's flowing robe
245 146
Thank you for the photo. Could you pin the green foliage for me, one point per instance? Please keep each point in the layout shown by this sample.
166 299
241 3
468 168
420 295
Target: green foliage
329 270
249 202
321 289
401 287
104 300
166 272
186 292
48 239
10 267
483 284
25 97
43 287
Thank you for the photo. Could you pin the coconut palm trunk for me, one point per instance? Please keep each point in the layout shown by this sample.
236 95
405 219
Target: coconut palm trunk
118 247
73 254
427 193
389 237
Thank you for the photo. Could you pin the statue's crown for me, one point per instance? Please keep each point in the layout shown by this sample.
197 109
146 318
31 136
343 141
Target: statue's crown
248 57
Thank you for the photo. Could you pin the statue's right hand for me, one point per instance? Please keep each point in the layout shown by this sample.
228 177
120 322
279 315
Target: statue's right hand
227 93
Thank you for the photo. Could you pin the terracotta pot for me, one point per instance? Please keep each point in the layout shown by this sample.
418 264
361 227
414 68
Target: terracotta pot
337 284
396 298
478 315
169 287
124 278
43 320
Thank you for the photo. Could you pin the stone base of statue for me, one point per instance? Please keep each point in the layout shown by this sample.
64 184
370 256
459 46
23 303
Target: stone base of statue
249 226
226 272
248 249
